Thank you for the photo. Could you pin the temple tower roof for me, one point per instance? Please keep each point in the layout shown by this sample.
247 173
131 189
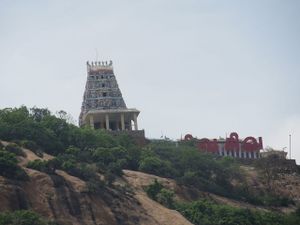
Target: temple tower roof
101 91
103 105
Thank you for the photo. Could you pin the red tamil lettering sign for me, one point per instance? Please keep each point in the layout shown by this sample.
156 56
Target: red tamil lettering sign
233 143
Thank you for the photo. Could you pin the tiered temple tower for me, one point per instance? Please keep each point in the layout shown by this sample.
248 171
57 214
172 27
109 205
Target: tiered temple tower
103 106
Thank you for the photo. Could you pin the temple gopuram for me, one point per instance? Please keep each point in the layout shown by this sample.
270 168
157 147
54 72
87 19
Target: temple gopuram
103 106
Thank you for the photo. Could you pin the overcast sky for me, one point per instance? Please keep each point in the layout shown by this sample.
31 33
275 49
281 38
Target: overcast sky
203 67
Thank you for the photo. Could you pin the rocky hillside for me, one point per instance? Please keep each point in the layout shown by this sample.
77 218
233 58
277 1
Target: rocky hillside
66 174
67 200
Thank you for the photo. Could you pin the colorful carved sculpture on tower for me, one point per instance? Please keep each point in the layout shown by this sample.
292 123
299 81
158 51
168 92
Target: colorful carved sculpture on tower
103 106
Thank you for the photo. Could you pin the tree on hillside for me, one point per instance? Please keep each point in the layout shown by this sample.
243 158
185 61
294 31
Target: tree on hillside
268 168
38 114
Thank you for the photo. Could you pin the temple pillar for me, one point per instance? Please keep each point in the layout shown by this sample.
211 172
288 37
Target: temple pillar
122 122
135 121
220 150
107 121
92 121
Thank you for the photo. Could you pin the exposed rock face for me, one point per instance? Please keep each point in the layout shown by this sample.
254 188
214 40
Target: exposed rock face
67 200
55 197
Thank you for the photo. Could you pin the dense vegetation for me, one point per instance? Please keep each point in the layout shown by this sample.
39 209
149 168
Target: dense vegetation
86 153
157 192
52 134
208 212
83 152
23 217
204 212
80 151
8 165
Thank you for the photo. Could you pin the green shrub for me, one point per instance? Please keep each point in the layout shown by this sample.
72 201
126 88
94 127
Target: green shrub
157 192
31 145
154 165
22 217
68 165
84 156
166 198
116 167
109 177
109 155
293 218
53 164
81 170
273 200
153 189
14 148
190 178
72 150
103 155
38 164
9 167
133 157
95 185
210 213
44 166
